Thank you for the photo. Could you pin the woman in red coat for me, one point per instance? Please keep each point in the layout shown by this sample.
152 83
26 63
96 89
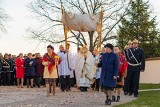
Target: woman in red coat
122 71
20 70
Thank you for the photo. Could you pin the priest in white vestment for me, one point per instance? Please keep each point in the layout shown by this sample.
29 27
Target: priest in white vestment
84 69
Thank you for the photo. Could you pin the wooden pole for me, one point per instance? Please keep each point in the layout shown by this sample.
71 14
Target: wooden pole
65 34
100 31
65 31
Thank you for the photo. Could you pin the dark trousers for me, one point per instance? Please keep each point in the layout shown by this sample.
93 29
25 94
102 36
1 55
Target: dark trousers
126 85
65 82
73 80
38 80
97 84
133 79
57 82
28 78
93 86
6 78
43 81
13 80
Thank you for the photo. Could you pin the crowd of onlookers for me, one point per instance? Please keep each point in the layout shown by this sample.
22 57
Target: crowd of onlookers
9 65
32 76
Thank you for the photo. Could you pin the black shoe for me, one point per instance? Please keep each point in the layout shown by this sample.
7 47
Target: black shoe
108 102
68 90
125 93
85 89
118 99
130 94
62 90
82 89
38 86
136 96
113 98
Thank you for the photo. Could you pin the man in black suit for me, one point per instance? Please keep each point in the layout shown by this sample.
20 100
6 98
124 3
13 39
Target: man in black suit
136 64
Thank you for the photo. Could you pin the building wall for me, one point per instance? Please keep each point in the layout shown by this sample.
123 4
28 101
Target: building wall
151 73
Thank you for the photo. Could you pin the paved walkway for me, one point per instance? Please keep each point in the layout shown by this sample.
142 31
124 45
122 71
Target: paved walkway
36 97
150 89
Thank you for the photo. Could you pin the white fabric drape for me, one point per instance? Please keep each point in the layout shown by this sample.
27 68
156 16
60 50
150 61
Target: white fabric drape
80 22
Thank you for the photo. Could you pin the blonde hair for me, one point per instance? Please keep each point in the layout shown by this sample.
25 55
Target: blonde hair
126 47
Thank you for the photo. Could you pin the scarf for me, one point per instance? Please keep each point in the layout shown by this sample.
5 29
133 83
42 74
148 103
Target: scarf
50 58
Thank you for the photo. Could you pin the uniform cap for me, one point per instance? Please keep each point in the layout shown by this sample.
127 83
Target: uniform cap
135 41
130 42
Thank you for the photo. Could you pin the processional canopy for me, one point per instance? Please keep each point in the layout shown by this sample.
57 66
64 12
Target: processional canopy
81 22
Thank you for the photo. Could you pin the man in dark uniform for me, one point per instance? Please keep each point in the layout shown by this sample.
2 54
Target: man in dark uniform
125 52
136 64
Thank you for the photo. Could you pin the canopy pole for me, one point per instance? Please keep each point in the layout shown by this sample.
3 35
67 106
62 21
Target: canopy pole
65 31
100 31
65 34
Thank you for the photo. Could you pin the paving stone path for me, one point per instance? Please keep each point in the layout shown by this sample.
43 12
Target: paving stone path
36 97
150 90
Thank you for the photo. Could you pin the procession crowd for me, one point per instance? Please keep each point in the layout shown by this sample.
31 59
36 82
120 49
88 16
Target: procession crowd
110 69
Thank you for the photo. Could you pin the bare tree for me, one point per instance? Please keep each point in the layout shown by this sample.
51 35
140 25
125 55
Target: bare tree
3 18
48 12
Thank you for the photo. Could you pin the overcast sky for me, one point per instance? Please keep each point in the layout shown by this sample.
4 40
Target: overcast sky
14 41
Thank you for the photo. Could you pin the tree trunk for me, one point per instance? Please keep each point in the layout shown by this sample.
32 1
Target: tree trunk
91 48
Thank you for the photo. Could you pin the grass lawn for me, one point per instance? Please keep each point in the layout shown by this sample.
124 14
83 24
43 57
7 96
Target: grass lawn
146 99
149 86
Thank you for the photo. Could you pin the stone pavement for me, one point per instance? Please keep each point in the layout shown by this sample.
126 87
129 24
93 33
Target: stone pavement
36 97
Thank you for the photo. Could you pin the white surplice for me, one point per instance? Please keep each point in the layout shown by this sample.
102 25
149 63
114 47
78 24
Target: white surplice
73 65
63 67
82 69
